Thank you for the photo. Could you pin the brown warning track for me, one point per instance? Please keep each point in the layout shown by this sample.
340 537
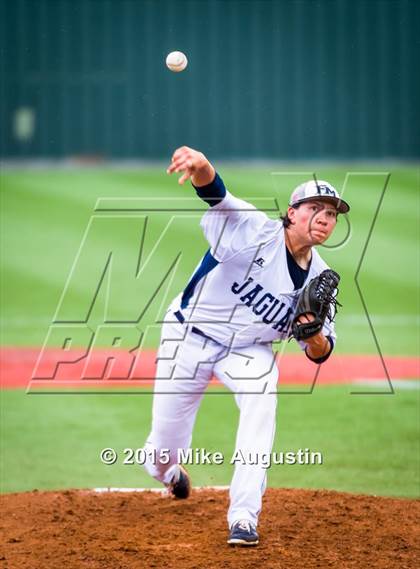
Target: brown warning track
23 367
298 529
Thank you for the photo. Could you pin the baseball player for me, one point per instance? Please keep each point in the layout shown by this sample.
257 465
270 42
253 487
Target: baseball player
260 281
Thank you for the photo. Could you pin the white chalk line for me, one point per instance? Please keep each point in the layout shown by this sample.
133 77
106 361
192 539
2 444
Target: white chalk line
408 384
156 490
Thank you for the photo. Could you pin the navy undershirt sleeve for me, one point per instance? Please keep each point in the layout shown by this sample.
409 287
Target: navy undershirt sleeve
212 193
322 359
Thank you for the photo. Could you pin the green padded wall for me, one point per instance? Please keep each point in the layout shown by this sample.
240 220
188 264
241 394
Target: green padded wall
278 79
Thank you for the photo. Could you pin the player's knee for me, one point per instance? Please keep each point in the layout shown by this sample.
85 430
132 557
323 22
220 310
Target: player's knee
256 404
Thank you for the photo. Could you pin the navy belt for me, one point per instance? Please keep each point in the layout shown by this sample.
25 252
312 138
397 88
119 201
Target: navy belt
180 317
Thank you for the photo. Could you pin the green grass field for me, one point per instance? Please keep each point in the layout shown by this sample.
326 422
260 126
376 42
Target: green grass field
46 213
369 443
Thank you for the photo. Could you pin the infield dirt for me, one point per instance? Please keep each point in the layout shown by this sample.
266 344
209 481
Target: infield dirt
298 528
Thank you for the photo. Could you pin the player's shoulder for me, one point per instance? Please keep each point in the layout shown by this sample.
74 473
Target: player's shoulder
231 201
240 212
234 225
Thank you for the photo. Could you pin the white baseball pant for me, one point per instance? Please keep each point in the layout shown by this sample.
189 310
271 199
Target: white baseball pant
185 365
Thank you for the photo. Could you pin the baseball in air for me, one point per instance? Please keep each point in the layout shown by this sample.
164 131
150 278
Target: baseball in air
176 61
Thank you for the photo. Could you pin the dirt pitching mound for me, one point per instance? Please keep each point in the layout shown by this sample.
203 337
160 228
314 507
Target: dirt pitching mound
298 528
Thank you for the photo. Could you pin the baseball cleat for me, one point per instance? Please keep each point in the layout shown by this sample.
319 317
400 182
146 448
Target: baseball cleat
243 532
180 485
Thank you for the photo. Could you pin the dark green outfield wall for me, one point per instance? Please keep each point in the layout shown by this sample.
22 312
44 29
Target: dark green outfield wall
281 79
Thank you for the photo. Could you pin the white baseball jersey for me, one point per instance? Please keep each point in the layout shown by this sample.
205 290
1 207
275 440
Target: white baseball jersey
241 292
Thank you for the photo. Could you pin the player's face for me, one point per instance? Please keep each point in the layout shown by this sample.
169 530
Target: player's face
314 221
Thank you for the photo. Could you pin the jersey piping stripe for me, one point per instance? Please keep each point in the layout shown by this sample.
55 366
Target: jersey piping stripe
207 264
